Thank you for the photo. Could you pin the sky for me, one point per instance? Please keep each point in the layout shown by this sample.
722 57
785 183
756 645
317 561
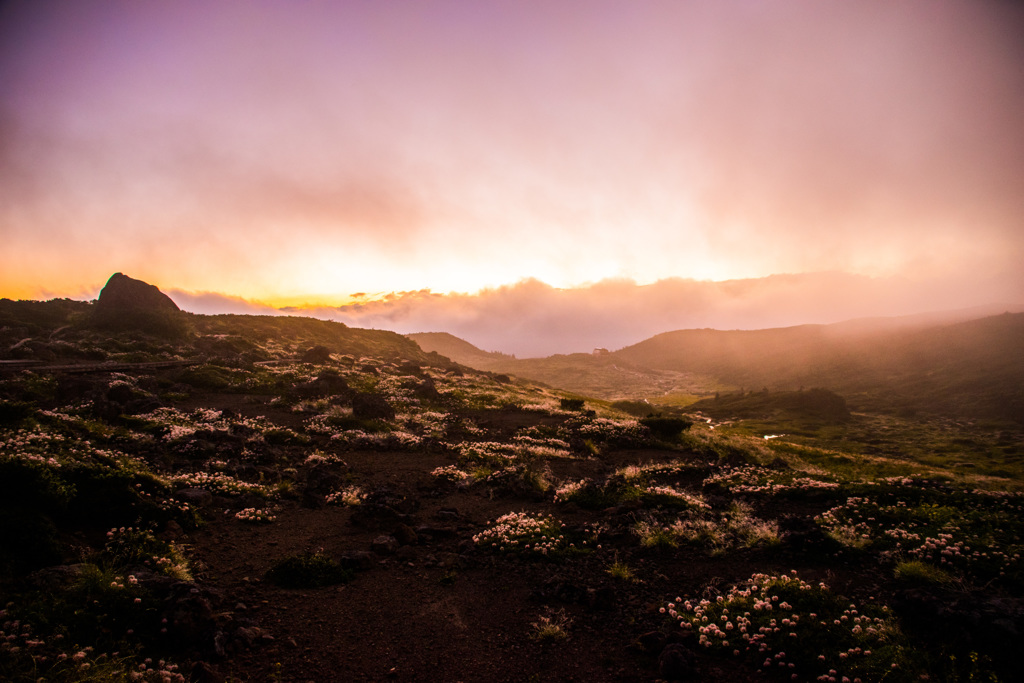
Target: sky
534 176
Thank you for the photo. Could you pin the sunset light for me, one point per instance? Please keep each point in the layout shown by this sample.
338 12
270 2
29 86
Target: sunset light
615 341
283 155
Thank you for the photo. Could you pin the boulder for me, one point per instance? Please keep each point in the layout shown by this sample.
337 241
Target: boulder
317 354
129 304
358 560
405 535
366 406
677 663
384 545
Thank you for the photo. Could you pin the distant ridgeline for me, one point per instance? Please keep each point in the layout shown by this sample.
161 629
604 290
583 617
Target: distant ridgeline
972 369
133 321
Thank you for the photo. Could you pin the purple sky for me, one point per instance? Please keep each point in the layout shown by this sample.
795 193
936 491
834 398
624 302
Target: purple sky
291 153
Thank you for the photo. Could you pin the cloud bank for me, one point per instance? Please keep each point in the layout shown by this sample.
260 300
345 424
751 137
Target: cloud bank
533 319
292 152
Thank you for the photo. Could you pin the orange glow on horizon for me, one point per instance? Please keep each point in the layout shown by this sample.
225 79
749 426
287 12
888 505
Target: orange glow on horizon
272 155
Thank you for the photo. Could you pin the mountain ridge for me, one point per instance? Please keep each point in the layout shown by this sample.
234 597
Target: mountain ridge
971 368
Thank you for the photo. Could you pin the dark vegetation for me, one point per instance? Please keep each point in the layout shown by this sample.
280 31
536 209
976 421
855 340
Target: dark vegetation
308 570
273 498
819 405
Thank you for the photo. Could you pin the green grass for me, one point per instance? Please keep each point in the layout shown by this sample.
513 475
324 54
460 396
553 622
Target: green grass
917 572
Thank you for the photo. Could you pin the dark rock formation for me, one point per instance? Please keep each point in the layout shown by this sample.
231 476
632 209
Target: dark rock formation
129 304
317 354
677 663
371 407
384 545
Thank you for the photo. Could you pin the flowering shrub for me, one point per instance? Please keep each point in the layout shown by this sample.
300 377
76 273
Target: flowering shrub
330 423
55 449
25 655
618 489
517 479
542 447
753 479
967 533
619 432
318 457
217 482
659 469
381 441
526 534
487 452
797 631
718 532
450 473
255 516
669 496
350 495
176 425
128 546
570 490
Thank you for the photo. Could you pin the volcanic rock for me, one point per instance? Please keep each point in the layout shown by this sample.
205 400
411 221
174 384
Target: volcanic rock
366 406
317 354
677 663
129 304
384 545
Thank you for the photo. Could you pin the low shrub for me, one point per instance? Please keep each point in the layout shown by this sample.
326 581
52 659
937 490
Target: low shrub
527 534
308 570
797 630
571 403
666 428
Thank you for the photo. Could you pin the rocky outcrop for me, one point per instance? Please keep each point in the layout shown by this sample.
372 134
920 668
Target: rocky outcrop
129 304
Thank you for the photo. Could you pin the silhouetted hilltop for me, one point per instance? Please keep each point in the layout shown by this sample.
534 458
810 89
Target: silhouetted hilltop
132 321
225 334
129 304
582 373
461 350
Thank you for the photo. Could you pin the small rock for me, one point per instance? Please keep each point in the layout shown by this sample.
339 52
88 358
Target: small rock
449 514
356 560
172 531
651 641
384 545
204 672
194 496
404 534
317 354
676 663
247 635
367 406
57 577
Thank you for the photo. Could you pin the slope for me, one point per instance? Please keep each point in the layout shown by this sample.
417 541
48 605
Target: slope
972 369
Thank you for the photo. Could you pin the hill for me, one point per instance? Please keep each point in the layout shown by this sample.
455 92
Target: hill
603 376
461 351
62 331
972 369
272 499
